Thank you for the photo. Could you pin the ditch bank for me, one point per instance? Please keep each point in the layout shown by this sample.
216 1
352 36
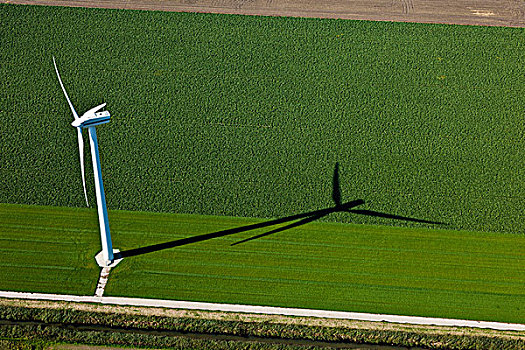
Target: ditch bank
83 323
23 328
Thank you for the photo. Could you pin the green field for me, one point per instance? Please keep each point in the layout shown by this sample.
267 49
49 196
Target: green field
246 116
409 271
48 250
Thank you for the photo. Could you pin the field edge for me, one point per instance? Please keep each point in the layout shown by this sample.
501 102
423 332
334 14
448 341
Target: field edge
249 325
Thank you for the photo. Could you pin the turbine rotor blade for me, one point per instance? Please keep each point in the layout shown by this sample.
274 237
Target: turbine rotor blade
81 154
95 109
64 90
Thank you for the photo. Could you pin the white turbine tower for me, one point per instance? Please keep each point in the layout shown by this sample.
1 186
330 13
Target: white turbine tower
89 120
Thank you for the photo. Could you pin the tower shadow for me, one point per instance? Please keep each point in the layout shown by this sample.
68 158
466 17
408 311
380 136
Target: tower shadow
303 219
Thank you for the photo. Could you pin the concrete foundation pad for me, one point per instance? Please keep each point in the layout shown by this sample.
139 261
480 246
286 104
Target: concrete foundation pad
103 263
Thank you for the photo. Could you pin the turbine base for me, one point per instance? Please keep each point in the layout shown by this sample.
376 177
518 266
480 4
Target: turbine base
103 263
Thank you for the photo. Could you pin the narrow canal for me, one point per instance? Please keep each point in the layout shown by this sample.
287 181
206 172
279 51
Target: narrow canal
203 336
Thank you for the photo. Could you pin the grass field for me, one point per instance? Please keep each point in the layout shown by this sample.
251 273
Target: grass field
246 116
410 271
48 250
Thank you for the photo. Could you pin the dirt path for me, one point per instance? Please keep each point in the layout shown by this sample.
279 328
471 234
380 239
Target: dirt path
470 12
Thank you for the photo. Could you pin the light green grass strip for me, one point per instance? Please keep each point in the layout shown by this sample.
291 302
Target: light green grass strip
48 250
377 269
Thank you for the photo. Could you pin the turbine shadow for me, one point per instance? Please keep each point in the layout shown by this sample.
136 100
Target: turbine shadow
304 218
207 236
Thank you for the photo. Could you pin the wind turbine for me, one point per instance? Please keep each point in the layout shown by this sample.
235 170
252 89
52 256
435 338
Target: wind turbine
89 120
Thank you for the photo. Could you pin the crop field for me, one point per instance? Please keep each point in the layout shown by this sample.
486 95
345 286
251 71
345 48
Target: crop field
379 269
246 116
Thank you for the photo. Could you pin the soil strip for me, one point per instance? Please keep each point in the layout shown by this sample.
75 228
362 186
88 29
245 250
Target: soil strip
510 13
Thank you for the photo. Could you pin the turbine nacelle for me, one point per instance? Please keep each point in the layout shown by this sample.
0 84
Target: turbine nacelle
92 118
96 119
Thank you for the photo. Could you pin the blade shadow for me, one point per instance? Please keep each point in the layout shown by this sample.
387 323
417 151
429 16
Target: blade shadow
336 186
391 216
287 227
